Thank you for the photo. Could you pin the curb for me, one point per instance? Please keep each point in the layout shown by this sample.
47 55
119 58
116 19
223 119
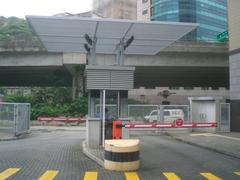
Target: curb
91 156
204 147
12 138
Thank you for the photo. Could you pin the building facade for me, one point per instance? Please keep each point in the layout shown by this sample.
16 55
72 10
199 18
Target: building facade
210 14
234 62
144 10
117 9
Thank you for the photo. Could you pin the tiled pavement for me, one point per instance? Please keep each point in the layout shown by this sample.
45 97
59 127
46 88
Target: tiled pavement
58 154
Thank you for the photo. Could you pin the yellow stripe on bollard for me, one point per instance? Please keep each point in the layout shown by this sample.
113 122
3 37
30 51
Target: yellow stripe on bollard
210 176
49 175
237 173
171 176
131 176
91 176
7 173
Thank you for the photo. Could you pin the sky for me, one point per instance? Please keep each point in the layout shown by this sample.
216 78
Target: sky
21 8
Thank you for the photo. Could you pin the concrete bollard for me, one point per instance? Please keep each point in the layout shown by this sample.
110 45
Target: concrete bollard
122 155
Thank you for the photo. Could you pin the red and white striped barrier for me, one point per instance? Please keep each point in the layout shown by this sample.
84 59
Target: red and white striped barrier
61 119
176 124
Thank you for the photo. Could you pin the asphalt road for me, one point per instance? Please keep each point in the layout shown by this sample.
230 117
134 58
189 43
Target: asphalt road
61 152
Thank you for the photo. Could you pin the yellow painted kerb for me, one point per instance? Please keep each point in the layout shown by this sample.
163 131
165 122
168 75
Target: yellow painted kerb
91 176
237 173
171 176
7 173
49 175
131 176
210 176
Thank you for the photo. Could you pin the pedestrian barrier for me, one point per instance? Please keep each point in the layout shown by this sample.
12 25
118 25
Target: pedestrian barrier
62 119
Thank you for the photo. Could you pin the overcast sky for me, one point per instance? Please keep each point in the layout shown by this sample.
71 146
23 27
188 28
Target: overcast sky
20 8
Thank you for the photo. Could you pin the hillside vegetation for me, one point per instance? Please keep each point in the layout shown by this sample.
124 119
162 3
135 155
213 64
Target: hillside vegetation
15 32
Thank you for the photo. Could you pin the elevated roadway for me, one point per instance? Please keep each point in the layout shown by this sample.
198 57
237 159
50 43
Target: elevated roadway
182 64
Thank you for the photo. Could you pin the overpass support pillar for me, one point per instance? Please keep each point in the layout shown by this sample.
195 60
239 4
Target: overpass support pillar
77 86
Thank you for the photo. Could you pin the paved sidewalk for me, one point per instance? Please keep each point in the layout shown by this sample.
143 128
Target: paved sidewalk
225 143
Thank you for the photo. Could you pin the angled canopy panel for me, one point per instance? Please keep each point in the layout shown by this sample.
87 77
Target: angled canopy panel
66 34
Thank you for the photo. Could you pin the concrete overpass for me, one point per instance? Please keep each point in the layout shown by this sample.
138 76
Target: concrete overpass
182 64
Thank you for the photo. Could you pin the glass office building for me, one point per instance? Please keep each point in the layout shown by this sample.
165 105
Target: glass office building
210 14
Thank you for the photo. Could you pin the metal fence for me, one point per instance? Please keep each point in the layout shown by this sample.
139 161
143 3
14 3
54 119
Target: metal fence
138 112
14 118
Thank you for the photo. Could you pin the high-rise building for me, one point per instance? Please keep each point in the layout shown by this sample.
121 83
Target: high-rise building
210 14
234 47
117 9
144 10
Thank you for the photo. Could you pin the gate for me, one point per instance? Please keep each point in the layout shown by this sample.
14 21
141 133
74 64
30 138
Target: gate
224 124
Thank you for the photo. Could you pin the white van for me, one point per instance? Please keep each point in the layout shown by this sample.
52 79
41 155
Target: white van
170 115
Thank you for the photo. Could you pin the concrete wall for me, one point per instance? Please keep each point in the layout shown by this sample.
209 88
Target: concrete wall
234 24
234 44
150 96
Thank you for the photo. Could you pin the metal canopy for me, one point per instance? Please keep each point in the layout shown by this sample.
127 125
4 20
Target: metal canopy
66 34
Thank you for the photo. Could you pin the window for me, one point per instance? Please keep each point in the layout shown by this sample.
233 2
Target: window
154 113
145 12
144 1
166 113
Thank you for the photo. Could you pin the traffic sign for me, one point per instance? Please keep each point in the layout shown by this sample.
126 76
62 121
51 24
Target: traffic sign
223 37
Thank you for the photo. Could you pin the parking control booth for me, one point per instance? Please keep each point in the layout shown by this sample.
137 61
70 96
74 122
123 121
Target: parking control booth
108 100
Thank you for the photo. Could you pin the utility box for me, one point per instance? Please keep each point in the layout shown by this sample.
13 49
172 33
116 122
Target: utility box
205 109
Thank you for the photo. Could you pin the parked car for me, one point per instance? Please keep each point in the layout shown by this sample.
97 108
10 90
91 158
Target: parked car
169 116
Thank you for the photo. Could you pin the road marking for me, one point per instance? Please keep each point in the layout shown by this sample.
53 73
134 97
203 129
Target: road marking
210 176
215 135
7 173
49 175
90 176
237 173
131 176
171 176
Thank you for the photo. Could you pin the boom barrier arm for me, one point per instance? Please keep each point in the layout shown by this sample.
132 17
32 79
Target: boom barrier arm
179 123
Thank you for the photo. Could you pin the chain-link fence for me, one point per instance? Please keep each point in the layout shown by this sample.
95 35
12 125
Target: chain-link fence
137 113
14 118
